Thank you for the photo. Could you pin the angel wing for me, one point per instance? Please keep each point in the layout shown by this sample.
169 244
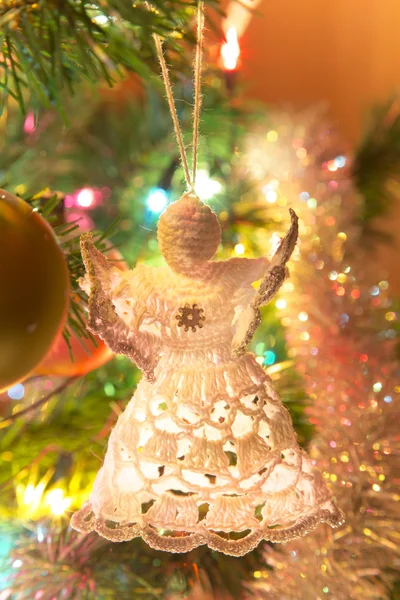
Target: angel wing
106 285
270 284
244 271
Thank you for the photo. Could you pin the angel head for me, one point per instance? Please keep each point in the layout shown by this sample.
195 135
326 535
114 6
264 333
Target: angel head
188 234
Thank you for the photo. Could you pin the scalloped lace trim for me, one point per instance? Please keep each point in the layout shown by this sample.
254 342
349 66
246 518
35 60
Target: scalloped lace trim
85 521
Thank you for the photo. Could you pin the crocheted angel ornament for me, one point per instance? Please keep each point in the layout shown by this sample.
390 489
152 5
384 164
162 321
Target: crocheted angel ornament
205 452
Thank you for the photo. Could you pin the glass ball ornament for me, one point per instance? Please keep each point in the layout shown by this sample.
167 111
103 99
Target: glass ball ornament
34 289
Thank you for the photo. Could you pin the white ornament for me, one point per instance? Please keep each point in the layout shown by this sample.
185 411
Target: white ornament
205 448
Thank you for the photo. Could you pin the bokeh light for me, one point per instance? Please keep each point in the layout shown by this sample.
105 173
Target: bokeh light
157 200
16 392
206 187
85 198
239 249
230 50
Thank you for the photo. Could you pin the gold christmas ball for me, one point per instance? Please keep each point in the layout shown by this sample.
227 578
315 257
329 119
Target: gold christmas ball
34 289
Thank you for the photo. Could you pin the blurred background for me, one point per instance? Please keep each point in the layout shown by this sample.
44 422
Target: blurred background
300 110
343 54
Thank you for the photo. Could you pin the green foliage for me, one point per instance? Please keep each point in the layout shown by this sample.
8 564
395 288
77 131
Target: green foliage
50 206
72 426
395 592
376 167
46 47
63 559
113 136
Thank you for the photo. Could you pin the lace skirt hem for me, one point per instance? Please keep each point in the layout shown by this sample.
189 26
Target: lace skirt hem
85 521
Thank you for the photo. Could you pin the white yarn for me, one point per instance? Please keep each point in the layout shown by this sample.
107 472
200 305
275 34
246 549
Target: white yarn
205 447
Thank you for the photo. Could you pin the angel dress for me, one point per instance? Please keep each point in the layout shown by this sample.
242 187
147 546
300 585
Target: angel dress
205 452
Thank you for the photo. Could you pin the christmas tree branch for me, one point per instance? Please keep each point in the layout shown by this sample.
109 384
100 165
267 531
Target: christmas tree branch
376 163
46 47
8 420
68 235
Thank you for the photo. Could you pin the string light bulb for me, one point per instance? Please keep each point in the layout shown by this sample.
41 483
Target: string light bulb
85 198
230 50
157 200
57 501
206 187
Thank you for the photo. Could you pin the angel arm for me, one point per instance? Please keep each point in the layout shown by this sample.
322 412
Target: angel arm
277 271
105 283
272 281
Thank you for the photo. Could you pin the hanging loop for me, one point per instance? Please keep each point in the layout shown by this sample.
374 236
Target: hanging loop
197 86
190 179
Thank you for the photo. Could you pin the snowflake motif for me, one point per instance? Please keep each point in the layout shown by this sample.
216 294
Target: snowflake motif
190 318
